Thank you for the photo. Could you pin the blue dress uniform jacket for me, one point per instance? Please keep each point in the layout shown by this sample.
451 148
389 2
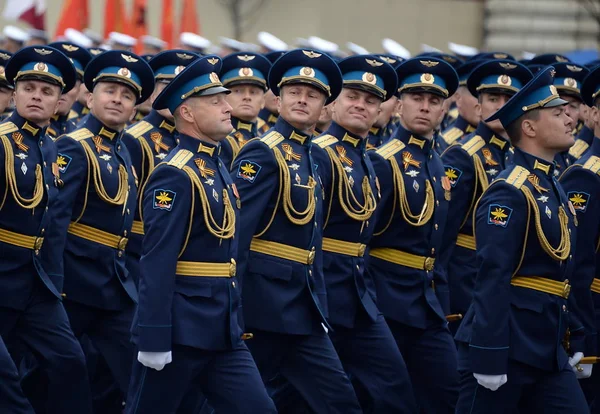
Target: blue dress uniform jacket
583 142
95 214
280 233
581 182
525 233
62 124
148 142
471 166
408 234
28 187
189 294
345 168
453 134
241 134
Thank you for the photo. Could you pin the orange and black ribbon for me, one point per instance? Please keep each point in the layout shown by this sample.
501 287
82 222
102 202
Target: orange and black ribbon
289 153
204 170
407 161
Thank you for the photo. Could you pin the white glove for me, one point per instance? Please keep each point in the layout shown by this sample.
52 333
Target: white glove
491 382
155 360
581 370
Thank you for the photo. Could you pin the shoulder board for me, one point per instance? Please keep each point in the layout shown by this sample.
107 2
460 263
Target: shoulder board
390 148
72 115
452 135
272 139
593 164
518 176
325 141
7 128
473 145
80 134
139 128
180 159
578 148
260 123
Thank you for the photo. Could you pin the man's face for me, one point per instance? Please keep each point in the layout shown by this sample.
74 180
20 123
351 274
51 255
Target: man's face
356 110
211 115
36 100
246 101
67 100
271 102
554 128
301 105
387 110
112 103
421 113
467 105
489 105
573 108
5 95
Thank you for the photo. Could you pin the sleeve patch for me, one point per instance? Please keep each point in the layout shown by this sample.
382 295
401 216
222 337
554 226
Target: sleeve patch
453 174
499 215
579 200
164 199
63 161
248 170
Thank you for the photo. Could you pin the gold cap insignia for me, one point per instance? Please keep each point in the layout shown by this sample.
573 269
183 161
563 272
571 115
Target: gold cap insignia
388 60
178 69
212 61
500 55
184 56
429 63
561 59
128 58
95 51
427 78
553 90
246 72
504 80
508 66
214 78
574 68
4 56
374 63
1 70
369 78
553 73
309 72
70 48
245 58
41 67
570 82
311 54
449 59
124 72
43 52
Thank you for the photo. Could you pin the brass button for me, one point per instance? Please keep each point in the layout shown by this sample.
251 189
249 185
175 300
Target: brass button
232 269
437 202
118 147
310 273
233 284
128 212
41 143
46 208
120 254
357 267
564 308
125 233
45 164
434 179
43 231
47 187
435 226
64 295
432 251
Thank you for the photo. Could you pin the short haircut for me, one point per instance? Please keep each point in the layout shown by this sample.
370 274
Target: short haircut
514 129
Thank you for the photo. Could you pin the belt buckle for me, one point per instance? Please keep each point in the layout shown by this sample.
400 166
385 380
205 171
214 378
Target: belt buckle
232 268
122 243
311 256
566 289
37 243
429 262
361 250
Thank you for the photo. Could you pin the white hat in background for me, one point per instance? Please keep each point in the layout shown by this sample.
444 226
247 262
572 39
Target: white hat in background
153 41
94 36
14 33
356 49
462 50
78 38
425 48
323 45
121 39
394 48
193 40
232 44
271 42
528 55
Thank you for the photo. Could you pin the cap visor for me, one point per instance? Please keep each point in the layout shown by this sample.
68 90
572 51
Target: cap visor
213 91
555 102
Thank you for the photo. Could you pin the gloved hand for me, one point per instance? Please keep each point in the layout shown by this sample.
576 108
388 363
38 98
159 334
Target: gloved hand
155 360
491 382
581 370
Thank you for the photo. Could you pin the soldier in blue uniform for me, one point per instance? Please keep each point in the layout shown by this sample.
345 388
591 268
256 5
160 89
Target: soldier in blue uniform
511 353
96 208
407 235
245 75
6 90
471 165
567 81
360 334
581 182
64 121
280 236
186 330
31 311
150 140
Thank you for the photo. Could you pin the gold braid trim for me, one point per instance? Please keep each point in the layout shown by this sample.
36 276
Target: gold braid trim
227 229
11 180
348 201
298 218
122 191
481 180
428 206
564 248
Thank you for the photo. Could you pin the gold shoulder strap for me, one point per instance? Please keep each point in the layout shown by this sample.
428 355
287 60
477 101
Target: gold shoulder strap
80 134
7 128
272 139
473 145
139 128
452 135
593 164
577 150
390 148
325 141
518 176
180 159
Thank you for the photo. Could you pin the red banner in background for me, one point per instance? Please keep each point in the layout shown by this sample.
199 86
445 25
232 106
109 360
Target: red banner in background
138 23
115 19
167 32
